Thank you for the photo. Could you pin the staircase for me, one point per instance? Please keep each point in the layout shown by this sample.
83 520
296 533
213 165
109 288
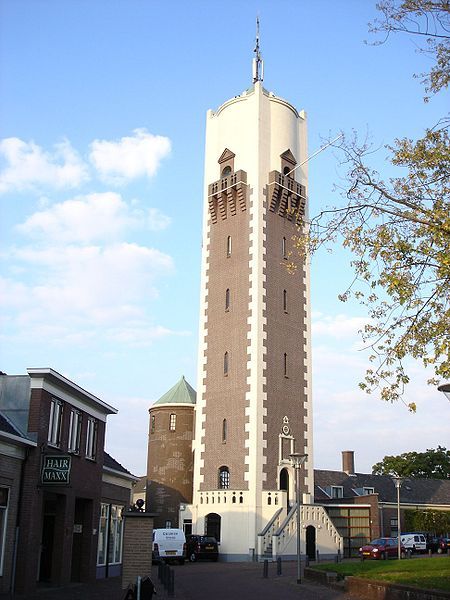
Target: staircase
279 537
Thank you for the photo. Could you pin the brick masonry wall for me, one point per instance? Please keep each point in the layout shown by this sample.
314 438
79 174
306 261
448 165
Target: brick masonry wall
85 482
227 332
9 477
137 547
286 333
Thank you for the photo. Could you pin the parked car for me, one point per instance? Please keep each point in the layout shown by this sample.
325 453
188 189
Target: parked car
381 548
443 545
414 542
202 546
169 545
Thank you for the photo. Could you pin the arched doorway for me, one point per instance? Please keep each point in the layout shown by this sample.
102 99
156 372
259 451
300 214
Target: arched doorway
284 485
212 525
311 542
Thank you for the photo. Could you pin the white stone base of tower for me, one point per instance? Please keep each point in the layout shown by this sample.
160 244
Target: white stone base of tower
269 533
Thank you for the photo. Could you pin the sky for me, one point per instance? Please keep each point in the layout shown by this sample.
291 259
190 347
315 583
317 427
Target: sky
102 124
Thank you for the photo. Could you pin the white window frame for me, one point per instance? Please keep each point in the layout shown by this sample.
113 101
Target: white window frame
368 490
224 478
337 491
172 422
55 422
3 522
113 529
75 423
91 438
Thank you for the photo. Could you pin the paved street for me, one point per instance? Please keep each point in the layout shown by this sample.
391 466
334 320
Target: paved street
206 581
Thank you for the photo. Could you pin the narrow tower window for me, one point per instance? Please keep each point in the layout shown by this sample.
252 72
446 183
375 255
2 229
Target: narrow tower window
285 365
285 300
229 245
226 171
225 363
283 248
227 299
224 478
152 424
224 431
172 422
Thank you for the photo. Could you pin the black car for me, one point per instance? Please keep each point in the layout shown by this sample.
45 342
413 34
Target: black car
201 546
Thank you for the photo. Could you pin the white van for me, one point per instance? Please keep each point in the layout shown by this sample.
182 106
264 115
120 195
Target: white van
169 545
415 542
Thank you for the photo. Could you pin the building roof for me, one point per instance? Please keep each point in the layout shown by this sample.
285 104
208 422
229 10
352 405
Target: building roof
11 433
412 491
141 485
111 463
180 393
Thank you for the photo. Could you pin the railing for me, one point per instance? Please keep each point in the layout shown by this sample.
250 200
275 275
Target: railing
266 535
310 514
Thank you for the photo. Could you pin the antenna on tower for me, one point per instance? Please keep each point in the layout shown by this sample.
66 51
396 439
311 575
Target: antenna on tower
258 65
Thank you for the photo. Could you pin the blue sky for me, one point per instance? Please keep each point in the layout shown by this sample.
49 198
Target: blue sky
101 163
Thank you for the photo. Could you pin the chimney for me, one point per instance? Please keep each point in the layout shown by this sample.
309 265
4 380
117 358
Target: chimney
348 462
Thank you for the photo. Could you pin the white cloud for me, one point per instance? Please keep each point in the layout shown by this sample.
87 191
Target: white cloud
27 166
85 219
157 220
130 157
336 326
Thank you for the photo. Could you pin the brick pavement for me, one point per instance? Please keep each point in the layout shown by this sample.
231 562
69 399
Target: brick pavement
205 581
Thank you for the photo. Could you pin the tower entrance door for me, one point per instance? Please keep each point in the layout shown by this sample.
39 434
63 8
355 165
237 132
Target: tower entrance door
212 525
311 542
284 486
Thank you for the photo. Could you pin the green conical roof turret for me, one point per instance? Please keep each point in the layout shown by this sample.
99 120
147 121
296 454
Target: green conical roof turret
180 393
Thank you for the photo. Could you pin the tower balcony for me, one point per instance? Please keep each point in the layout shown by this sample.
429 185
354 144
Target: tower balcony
228 195
286 196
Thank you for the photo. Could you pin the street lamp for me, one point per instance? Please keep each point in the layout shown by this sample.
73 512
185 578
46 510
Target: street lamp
297 462
398 482
445 388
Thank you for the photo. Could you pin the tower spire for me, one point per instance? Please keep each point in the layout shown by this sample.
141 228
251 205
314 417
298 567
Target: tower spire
258 64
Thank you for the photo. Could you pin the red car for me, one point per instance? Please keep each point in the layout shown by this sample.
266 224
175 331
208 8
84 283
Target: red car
382 548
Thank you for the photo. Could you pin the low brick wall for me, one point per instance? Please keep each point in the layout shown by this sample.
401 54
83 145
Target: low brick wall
323 577
372 589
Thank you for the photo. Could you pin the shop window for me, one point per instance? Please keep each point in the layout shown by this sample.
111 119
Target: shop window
172 422
4 497
110 529
54 425
91 438
74 431
224 478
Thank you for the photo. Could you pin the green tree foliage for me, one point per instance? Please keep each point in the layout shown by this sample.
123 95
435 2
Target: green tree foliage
398 229
433 521
432 464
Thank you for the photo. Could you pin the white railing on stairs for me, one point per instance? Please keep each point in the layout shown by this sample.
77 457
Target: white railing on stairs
265 537
310 515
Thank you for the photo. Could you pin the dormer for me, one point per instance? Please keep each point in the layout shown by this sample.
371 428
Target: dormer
226 163
288 163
